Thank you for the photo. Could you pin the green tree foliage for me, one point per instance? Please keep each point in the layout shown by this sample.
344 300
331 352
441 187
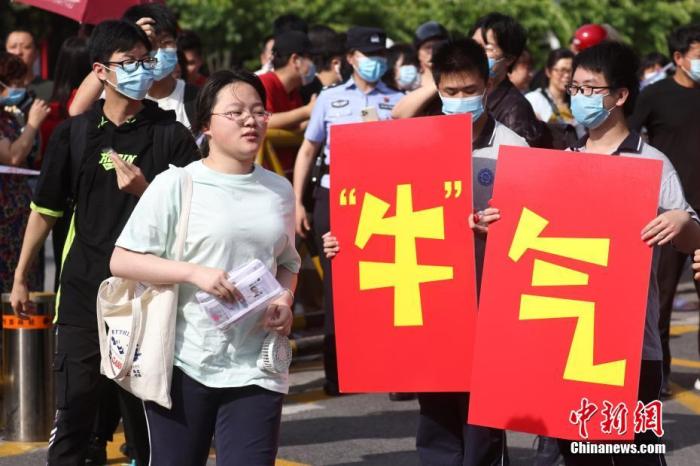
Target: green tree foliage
233 30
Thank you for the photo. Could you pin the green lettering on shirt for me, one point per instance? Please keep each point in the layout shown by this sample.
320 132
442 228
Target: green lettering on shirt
107 163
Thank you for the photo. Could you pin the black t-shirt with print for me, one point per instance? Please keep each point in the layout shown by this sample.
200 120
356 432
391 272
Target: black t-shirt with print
671 115
101 209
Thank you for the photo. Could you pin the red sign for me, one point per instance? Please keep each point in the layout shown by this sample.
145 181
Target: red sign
403 282
87 11
564 295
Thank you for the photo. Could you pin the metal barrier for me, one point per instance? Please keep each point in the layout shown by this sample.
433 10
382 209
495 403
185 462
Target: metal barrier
27 354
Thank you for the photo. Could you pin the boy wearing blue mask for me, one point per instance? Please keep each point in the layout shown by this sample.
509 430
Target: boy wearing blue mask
503 39
160 25
461 74
362 97
603 93
293 69
96 167
670 112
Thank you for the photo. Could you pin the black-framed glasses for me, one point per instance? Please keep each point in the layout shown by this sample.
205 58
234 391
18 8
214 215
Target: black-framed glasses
573 89
131 65
239 116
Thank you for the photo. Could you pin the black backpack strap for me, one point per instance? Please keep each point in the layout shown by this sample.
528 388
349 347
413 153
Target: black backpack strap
190 98
78 139
163 135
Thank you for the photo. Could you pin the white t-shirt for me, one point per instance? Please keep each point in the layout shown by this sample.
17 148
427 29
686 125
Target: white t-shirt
540 104
175 101
234 219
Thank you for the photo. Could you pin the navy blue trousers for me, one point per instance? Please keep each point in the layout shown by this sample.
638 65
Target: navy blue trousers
245 420
445 439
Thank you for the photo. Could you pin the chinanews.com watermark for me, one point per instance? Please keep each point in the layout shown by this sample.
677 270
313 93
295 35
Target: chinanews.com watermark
615 421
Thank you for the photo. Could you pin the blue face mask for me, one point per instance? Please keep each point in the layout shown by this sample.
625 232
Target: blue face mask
371 69
694 72
167 60
309 76
408 77
134 85
456 105
589 111
492 63
13 97
652 78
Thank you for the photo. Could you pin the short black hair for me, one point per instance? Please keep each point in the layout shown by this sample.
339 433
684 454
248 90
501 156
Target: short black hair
11 68
289 22
115 36
618 63
189 40
165 21
556 55
459 56
681 38
206 99
326 44
651 60
25 31
72 65
280 60
395 52
509 34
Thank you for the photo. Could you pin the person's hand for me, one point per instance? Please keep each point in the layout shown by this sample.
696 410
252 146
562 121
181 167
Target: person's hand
19 298
302 220
130 178
310 106
148 26
696 264
278 317
215 282
331 247
665 227
480 221
38 113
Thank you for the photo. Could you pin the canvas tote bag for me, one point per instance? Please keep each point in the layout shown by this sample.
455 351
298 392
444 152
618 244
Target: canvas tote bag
136 324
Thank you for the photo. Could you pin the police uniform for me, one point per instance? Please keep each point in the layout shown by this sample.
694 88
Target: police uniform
341 104
444 437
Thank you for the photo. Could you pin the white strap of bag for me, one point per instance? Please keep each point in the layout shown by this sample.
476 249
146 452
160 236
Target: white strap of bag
134 336
136 303
185 205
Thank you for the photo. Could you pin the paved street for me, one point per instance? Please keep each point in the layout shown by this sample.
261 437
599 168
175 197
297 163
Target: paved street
371 430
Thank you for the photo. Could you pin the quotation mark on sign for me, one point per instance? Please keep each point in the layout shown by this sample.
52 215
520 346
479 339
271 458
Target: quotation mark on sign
453 187
348 198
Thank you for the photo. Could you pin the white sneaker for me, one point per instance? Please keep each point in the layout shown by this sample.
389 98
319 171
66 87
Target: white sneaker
697 384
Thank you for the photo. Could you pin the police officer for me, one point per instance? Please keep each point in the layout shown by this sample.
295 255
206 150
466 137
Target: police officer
363 97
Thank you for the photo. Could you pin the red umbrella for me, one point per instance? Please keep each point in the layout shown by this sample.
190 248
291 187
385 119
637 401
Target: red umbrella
87 11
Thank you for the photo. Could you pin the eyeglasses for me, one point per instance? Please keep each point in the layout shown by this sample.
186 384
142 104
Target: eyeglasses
562 70
240 117
131 65
588 91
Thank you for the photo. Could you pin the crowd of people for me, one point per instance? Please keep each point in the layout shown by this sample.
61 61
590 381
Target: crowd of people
135 97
